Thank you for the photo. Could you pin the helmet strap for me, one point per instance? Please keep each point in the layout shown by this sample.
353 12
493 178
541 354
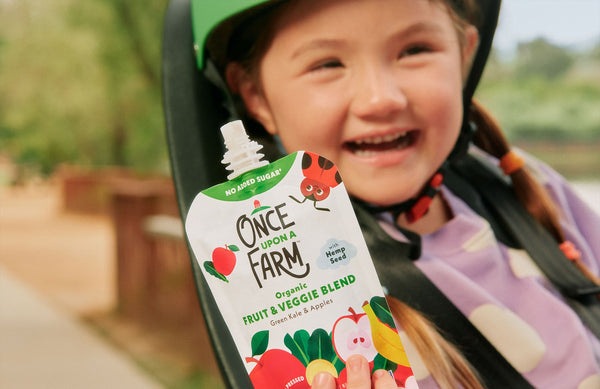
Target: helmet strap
213 75
417 207
461 147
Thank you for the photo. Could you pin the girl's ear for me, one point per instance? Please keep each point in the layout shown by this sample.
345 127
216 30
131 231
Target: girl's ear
240 82
470 44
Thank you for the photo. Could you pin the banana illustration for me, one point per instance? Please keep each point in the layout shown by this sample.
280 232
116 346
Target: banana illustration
386 340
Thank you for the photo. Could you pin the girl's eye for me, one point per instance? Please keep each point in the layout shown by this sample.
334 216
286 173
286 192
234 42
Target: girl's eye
414 50
330 64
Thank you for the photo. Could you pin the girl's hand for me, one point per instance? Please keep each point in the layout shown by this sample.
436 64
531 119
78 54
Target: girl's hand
359 377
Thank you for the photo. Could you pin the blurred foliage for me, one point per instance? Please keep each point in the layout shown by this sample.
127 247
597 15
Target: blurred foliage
80 83
545 93
539 58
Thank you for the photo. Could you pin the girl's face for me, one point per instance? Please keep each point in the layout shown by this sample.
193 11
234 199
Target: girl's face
373 85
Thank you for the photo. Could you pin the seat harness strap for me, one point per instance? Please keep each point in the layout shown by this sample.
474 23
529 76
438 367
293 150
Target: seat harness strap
405 281
519 229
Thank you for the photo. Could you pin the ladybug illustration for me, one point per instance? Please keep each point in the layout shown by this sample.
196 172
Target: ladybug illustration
320 176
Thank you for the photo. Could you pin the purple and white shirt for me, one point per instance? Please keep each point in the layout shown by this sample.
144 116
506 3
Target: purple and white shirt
506 296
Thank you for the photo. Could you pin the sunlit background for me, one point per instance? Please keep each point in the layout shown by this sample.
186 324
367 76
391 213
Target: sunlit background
543 82
88 223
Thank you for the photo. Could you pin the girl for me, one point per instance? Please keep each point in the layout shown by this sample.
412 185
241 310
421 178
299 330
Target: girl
380 88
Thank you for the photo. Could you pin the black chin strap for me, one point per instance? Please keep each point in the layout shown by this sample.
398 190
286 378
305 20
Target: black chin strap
414 208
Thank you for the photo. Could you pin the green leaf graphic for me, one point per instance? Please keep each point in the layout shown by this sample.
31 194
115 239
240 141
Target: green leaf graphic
380 362
296 348
210 268
233 247
338 364
320 345
260 342
336 361
301 337
382 311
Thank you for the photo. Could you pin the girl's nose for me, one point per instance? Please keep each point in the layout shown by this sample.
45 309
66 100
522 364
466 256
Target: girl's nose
378 94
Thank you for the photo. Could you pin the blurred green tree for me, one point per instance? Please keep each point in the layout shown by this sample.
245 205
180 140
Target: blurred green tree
545 91
542 58
80 83
595 52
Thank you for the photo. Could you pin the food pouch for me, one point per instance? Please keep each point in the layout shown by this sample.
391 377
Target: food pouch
284 257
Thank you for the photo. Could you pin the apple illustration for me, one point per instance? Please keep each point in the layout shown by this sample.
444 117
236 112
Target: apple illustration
223 260
278 369
351 335
404 377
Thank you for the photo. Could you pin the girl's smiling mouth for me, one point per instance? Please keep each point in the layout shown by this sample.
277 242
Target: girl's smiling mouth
373 145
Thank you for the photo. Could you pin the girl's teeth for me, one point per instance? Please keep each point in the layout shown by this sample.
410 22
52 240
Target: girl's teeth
364 153
375 145
380 139
391 137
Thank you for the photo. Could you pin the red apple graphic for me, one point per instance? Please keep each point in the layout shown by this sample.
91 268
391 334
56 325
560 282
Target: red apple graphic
278 369
351 335
401 374
223 260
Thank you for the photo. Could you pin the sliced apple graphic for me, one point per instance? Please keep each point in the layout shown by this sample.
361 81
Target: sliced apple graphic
351 335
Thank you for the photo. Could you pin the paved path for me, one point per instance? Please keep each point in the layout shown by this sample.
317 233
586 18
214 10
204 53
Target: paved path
43 346
69 258
55 268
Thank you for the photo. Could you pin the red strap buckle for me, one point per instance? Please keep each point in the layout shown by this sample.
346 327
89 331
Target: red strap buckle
421 207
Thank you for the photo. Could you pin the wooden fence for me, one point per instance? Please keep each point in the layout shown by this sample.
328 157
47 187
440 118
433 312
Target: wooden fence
155 285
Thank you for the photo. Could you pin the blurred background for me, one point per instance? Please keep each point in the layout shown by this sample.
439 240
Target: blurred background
89 234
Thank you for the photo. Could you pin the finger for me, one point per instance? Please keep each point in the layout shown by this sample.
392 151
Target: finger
323 380
382 379
359 374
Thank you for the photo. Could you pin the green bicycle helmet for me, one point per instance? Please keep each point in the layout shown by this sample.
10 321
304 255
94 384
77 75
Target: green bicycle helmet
221 19
214 23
